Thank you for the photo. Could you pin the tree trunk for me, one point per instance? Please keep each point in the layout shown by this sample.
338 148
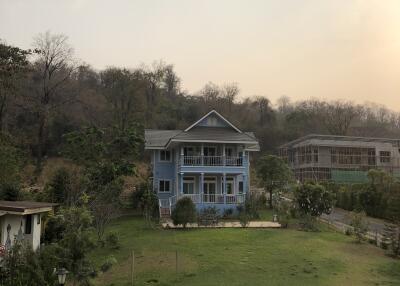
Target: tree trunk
40 141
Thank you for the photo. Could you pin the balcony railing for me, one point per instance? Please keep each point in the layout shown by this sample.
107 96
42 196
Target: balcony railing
216 198
211 161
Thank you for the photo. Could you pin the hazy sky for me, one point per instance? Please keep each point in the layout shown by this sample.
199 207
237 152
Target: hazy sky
338 49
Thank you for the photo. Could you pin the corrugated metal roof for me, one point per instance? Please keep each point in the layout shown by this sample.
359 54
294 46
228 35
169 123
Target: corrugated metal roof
340 138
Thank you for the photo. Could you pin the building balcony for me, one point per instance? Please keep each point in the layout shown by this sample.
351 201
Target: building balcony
212 164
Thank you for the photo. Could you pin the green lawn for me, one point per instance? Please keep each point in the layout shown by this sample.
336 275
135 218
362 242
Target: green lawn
243 257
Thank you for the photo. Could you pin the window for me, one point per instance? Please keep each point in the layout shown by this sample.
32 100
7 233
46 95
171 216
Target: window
229 186
164 186
188 185
384 156
228 152
165 156
28 224
241 187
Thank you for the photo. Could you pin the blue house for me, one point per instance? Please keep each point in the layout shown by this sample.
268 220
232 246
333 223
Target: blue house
207 162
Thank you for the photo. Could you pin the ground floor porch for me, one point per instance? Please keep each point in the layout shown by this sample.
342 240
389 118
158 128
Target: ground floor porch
224 191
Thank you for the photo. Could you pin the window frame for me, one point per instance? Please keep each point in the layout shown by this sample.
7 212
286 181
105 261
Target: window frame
169 184
163 160
189 180
385 159
229 180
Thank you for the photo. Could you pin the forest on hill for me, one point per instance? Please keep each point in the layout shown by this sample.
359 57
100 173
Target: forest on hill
46 94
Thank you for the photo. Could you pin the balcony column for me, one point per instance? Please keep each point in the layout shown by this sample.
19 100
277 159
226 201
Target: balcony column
182 155
224 190
181 183
201 187
223 155
202 154
245 184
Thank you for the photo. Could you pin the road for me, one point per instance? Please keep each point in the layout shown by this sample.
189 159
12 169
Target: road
342 216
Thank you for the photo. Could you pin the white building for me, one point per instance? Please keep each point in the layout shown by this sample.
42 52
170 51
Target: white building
21 220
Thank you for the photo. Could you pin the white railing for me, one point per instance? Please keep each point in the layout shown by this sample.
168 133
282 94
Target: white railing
235 199
211 161
213 198
196 198
172 201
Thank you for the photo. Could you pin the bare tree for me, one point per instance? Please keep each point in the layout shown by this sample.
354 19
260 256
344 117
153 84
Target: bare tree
54 66
210 94
229 93
264 109
122 90
337 116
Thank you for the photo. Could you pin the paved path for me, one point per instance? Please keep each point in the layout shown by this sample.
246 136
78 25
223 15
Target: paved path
343 216
230 224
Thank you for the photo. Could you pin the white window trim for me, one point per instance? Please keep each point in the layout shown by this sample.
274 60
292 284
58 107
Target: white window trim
191 180
165 161
231 181
170 186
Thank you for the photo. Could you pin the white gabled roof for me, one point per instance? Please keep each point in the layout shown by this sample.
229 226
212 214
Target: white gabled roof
218 115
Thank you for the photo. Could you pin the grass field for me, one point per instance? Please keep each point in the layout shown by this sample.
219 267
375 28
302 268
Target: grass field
242 257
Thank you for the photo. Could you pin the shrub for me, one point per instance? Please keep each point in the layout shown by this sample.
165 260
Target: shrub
112 240
348 231
244 219
284 210
360 227
108 263
184 212
253 205
228 213
208 216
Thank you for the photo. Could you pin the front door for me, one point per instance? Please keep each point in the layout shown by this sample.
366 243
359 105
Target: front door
209 190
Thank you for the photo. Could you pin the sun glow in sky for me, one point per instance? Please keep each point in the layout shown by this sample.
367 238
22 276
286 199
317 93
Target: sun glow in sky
337 49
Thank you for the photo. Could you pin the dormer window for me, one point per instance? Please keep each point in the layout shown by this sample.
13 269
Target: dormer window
165 156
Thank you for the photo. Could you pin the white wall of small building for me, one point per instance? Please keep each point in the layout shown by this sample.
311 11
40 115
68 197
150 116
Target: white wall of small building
15 222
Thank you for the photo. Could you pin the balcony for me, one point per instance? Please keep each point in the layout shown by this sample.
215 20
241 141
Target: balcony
211 161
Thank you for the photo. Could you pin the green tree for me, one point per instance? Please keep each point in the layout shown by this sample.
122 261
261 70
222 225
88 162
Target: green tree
11 163
184 212
59 187
391 235
312 200
107 154
76 243
274 173
13 64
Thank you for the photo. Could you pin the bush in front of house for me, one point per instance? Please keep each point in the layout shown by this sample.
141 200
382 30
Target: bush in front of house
228 213
208 216
244 216
184 212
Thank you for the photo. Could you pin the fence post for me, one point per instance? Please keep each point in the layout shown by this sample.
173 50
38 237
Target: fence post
132 268
176 261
